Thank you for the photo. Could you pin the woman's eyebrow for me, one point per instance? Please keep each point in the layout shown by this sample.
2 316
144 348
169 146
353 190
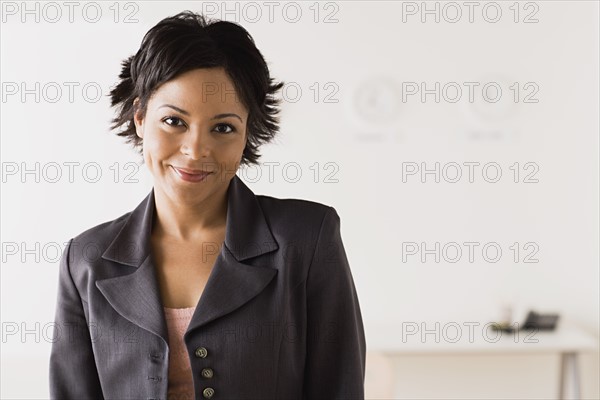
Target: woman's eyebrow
175 108
218 116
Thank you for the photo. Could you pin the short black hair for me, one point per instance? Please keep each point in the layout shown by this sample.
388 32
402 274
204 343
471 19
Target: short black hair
188 41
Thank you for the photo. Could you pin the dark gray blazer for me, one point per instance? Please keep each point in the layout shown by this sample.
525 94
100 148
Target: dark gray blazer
279 317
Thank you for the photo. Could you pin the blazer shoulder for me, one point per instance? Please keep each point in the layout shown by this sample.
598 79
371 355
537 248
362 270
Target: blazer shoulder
85 250
292 207
294 219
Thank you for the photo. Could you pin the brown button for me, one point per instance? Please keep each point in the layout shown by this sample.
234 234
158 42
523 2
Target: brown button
207 372
208 393
201 352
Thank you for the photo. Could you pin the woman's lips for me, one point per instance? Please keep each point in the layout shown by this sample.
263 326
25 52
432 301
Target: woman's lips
187 176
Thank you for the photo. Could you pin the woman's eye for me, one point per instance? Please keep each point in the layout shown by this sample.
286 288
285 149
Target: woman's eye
231 128
173 121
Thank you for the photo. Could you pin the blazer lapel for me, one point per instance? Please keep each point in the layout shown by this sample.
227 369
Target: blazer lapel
232 283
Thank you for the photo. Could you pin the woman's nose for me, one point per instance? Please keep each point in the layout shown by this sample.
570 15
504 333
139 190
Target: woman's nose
196 144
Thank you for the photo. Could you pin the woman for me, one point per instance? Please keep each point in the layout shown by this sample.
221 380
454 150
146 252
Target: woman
205 290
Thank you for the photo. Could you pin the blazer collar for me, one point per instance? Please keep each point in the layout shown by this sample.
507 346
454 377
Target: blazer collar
136 296
247 234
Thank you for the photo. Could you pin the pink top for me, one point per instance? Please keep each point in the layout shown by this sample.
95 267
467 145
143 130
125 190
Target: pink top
181 383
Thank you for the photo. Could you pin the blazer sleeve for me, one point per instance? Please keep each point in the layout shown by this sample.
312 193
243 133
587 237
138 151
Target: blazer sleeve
72 369
335 353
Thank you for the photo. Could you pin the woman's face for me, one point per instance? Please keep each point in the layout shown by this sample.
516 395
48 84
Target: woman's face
194 122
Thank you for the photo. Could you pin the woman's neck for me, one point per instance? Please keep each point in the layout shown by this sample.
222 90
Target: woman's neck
181 221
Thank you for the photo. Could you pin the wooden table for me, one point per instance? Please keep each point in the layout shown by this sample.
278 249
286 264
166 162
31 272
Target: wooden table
479 338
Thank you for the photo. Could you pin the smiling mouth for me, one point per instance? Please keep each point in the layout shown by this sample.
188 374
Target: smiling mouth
189 176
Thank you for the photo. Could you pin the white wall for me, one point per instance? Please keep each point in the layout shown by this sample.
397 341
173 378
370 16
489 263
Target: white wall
366 60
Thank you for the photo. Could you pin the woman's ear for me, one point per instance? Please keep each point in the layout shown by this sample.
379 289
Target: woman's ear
138 119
